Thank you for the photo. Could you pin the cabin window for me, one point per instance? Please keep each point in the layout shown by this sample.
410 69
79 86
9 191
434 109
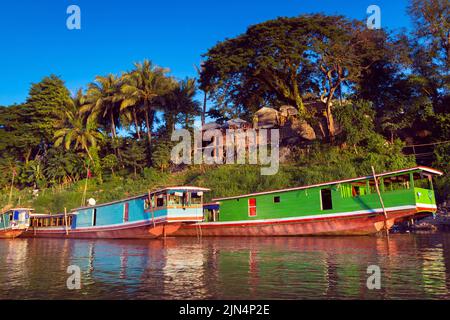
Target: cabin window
422 181
252 207
150 202
125 212
327 203
176 199
355 189
196 197
396 183
147 204
94 217
276 199
160 200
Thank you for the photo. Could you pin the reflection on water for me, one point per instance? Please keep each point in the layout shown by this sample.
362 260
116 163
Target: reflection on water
413 266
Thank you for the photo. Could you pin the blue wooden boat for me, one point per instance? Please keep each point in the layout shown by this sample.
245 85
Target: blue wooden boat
14 222
158 213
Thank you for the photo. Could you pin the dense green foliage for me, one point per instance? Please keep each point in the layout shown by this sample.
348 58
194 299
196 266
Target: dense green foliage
367 93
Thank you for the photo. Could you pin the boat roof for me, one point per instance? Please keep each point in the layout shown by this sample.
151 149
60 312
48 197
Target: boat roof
143 196
15 209
45 215
418 168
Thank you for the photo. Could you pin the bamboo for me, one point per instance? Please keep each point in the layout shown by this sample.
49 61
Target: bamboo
65 221
83 199
381 201
151 207
3 222
12 185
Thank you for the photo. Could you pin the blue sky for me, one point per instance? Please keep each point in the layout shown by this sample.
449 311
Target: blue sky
35 41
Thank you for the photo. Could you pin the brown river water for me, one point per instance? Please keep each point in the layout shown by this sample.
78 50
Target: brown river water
412 267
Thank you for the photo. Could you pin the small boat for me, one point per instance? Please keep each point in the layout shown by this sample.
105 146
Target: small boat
14 222
344 207
158 213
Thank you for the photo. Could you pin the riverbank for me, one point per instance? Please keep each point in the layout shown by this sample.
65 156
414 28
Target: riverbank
438 222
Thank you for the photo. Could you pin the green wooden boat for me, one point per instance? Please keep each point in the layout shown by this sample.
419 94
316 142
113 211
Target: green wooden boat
345 207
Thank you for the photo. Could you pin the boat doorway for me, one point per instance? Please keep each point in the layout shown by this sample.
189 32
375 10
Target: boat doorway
327 202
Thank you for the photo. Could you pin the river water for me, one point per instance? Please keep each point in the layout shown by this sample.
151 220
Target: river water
412 267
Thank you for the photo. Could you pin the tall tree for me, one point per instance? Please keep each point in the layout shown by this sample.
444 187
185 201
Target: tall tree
266 65
432 26
281 61
103 101
143 89
19 134
27 130
134 156
77 130
205 88
341 51
180 104
45 100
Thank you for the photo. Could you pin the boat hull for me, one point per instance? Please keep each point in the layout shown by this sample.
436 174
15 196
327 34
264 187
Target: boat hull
10 233
346 225
138 231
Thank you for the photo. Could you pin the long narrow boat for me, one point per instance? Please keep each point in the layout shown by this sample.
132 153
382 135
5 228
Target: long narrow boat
153 215
344 207
14 222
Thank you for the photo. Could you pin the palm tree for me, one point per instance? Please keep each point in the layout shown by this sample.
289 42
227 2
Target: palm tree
128 108
103 97
205 89
143 89
75 129
181 102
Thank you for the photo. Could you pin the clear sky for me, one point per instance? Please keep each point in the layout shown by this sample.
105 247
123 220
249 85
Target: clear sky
35 41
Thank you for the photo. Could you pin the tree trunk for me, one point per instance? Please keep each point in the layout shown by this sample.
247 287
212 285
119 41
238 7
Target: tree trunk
114 135
204 109
148 123
89 154
28 155
113 126
297 95
149 134
322 129
330 122
136 124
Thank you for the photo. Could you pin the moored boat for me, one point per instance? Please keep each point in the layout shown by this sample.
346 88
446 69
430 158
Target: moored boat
344 207
14 222
153 215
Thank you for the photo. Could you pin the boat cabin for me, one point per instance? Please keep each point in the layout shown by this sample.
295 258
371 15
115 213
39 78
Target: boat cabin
16 218
175 204
410 189
48 221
